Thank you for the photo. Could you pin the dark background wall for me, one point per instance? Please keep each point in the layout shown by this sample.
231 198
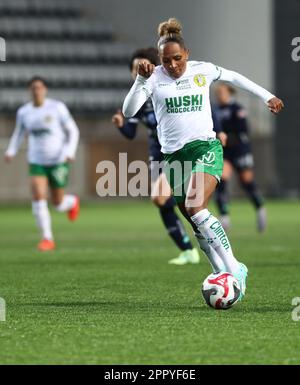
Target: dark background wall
287 84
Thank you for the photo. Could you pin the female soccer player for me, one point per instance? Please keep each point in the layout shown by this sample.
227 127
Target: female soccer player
179 90
53 139
237 155
163 201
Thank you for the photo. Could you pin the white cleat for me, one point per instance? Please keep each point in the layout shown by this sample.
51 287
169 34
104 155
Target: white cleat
242 276
187 256
261 220
225 222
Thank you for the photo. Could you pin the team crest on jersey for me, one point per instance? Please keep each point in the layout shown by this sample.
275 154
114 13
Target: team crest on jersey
200 80
48 119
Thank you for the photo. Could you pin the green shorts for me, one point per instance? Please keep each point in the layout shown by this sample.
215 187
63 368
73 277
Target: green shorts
197 156
58 175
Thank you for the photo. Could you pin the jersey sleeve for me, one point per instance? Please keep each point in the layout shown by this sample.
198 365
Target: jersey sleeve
17 137
149 85
139 93
70 126
242 82
214 71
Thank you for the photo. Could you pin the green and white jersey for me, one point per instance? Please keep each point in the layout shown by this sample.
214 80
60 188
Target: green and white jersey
53 133
182 106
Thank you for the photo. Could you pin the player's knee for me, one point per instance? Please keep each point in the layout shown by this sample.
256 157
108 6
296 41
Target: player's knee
246 179
159 201
192 208
38 196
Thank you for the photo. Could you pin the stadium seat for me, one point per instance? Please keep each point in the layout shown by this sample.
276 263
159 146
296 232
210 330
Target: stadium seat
79 57
66 51
57 8
49 28
79 101
66 76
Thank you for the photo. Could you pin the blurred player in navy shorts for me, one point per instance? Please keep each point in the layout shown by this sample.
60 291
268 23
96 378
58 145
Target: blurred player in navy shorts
237 155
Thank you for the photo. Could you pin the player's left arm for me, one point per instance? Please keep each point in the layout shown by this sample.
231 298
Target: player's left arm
72 131
274 104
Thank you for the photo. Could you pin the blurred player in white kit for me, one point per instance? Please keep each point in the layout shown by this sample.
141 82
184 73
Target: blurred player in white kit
52 143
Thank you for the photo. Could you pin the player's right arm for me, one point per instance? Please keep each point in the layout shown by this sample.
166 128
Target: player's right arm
140 91
16 139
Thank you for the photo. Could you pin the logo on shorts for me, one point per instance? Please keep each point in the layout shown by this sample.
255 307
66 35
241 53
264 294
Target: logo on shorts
208 159
200 80
60 174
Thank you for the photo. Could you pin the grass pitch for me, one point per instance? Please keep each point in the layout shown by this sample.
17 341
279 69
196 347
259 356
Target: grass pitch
108 296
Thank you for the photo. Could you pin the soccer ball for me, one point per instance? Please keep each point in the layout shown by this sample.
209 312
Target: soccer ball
221 290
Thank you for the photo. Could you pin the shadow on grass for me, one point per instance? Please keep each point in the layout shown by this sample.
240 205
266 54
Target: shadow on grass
72 304
263 309
161 308
124 306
